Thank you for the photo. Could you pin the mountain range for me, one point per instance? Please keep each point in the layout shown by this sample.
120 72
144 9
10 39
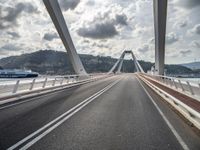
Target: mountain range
192 65
57 63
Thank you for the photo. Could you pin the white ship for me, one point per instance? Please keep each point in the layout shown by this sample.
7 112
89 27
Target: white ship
15 73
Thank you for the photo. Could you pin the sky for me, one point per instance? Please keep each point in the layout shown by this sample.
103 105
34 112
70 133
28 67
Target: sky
102 28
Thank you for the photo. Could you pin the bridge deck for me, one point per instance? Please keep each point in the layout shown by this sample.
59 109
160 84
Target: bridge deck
123 117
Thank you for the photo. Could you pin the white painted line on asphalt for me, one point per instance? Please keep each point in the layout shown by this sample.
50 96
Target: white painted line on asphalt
42 132
178 137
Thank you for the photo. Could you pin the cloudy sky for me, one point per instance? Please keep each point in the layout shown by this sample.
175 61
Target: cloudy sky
101 28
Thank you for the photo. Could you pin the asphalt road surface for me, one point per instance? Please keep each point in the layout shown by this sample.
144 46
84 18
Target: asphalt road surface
114 113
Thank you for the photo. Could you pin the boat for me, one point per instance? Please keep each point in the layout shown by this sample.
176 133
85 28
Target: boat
15 73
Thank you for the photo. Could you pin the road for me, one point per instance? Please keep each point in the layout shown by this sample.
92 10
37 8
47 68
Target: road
114 113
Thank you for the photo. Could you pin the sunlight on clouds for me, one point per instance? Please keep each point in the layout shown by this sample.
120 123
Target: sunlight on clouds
131 22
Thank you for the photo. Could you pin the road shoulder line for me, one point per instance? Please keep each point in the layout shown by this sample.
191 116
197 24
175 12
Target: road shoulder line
178 137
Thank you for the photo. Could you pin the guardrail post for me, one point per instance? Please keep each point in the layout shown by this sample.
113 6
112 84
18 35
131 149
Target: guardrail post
77 78
174 83
160 79
170 82
181 85
61 82
44 84
190 88
32 85
166 81
54 82
16 87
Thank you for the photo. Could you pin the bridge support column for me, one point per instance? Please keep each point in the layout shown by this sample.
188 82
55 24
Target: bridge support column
120 62
120 65
160 15
137 64
56 15
115 65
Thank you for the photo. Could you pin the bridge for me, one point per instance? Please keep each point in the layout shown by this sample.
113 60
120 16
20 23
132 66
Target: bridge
112 110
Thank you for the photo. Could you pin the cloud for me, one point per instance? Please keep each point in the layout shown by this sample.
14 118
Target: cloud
195 44
171 38
10 47
86 41
196 29
100 45
98 31
128 28
121 19
50 36
12 13
188 3
68 4
90 3
185 52
104 23
13 34
144 48
151 40
182 24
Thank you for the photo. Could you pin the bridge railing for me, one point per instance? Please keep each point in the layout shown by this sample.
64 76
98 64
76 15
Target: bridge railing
14 86
187 105
182 85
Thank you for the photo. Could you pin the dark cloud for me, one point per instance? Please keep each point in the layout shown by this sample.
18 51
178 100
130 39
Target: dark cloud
98 31
3 53
50 36
90 3
151 40
86 41
185 52
68 4
10 47
143 49
100 45
103 25
13 34
121 19
171 38
182 24
196 44
196 29
188 3
13 13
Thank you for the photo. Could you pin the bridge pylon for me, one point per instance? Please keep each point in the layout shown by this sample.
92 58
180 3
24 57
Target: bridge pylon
119 63
160 15
56 15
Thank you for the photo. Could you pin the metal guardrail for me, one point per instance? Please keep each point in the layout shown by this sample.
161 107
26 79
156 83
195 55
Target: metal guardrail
183 86
192 115
35 83
44 89
11 87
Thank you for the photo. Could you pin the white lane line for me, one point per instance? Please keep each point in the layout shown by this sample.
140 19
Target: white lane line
178 137
66 116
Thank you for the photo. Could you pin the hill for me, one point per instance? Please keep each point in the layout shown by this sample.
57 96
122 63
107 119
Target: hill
192 65
56 62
